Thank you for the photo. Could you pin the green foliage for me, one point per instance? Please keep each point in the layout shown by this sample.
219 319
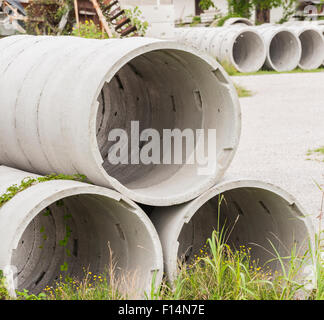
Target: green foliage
195 20
242 92
244 8
28 182
221 273
229 68
267 4
222 20
137 21
91 287
206 4
44 16
3 291
289 9
89 30
316 154
24 295
240 8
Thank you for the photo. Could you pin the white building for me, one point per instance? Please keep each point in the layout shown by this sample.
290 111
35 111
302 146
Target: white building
161 14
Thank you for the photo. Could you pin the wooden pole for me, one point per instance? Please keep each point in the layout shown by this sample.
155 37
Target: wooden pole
76 12
102 18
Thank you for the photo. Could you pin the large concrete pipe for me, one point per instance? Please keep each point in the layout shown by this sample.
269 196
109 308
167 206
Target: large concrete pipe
253 213
239 45
94 222
312 44
62 96
237 20
283 47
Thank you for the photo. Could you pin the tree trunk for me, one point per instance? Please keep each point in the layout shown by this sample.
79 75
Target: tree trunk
198 9
262 15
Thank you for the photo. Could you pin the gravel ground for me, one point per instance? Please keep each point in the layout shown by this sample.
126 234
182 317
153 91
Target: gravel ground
281 121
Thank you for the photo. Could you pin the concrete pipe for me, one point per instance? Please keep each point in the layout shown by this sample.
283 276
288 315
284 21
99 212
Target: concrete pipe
237 20
253 213
283 48
241 46
100 222
62 96
312 44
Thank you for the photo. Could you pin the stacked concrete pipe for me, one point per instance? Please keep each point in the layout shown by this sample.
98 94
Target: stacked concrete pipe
283 47
102 222
310 37
239 45
61 96
312 44
253 214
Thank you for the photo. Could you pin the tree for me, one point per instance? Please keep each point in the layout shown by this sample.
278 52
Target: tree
262 9
206 4
244 8
241 8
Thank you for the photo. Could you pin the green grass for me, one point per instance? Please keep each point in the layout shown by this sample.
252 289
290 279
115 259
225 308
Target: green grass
219 273
265 72
316 154
231 70
242 92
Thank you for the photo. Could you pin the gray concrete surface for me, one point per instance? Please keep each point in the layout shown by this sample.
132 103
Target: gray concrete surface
50 123
281 121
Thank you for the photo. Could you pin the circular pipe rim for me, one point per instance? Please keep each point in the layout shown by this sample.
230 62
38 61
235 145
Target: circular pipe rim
61 189
184 197
275 31
190 209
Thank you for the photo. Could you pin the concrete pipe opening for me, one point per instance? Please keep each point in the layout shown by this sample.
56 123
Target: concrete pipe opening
248 52
157 90
312 49
284 51
158 84
251 212
69 228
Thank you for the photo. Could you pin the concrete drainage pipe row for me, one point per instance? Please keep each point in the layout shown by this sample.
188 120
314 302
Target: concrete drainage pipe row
247 48
311 38
61 96
101 221
292 46
239 45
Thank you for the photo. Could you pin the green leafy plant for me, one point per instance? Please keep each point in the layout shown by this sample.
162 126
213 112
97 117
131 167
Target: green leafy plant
3 290
29 181
25 295
44 17
206 4
136 19
244 8
289 9
90 30
316 154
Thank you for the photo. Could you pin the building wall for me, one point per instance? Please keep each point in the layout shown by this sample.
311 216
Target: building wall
184 8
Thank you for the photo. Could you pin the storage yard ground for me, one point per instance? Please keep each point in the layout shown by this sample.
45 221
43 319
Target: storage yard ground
281 122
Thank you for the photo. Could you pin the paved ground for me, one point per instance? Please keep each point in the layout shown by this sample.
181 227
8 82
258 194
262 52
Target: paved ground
281 121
